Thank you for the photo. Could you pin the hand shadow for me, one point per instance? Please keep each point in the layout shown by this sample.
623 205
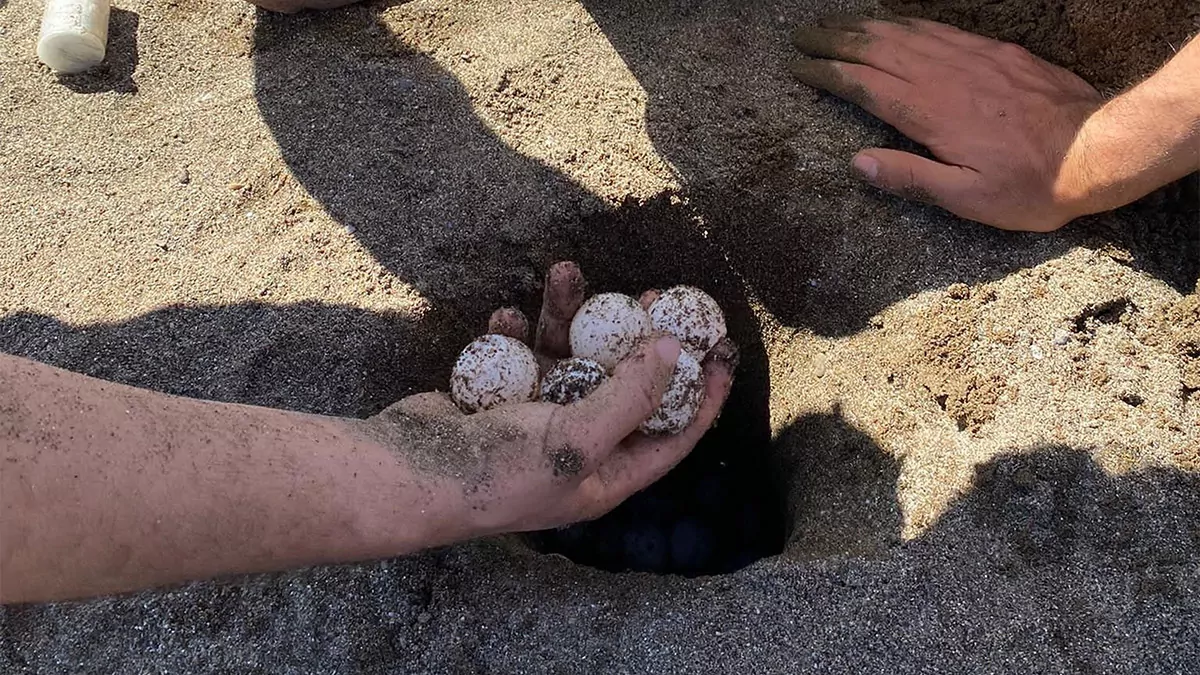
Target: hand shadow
115 73
310 357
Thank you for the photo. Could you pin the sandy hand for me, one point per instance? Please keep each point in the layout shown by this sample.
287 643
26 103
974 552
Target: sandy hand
1000 121
538 465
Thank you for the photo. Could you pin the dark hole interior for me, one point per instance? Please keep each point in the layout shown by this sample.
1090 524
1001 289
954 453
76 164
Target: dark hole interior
716 512
723 506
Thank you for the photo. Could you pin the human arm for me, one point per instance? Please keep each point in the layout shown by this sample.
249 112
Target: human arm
106 488
1142 139
1018 143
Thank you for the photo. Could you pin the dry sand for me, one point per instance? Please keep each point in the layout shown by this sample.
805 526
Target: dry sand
988 442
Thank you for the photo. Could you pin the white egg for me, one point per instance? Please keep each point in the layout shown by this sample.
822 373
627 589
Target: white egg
692 316
681 401
491 371
607 327
572 379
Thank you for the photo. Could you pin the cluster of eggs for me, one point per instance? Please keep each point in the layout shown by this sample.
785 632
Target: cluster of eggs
497 370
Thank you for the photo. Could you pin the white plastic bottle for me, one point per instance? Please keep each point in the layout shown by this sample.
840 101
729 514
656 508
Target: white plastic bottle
74 34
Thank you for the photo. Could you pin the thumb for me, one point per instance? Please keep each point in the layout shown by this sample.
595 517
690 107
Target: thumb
917 178
599 422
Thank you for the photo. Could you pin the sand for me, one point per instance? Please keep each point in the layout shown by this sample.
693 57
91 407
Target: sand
987 443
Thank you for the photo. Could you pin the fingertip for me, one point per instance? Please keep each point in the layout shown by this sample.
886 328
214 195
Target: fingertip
561 298
667 348
802 36
511 322
718 380
806 70
866 166
565 280
849 81
918 178
565 266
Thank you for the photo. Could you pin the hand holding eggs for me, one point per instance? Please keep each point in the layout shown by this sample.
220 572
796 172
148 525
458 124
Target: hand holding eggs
497 370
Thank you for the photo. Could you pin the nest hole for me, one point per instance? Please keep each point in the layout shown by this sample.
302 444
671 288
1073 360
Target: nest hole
719 510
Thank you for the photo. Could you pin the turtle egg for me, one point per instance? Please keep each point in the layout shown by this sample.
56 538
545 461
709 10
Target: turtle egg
692 316
572 379
494 370
681 401
607 327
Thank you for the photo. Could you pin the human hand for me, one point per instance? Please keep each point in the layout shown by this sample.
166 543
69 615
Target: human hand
539 465
1002 123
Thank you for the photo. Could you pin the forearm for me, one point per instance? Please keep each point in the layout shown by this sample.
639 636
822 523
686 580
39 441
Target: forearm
1142 139
107 488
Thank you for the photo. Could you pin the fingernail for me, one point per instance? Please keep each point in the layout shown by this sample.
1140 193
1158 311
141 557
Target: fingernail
667 349
725 352
867 166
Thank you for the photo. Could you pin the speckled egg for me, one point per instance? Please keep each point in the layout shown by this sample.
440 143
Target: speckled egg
692 316
494 370
681 401
572 379
607 327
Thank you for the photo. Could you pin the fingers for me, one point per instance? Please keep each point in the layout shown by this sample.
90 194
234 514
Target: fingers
918 178
509 321
648 298
949 33
885 96
920 35
908 49
853 23
646 459
899 30
599 422
833 44
719 367
561 298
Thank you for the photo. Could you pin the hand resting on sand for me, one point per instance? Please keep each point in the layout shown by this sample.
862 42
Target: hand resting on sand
1018 143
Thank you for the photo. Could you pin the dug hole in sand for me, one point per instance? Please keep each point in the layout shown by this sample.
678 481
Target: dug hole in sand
971 450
